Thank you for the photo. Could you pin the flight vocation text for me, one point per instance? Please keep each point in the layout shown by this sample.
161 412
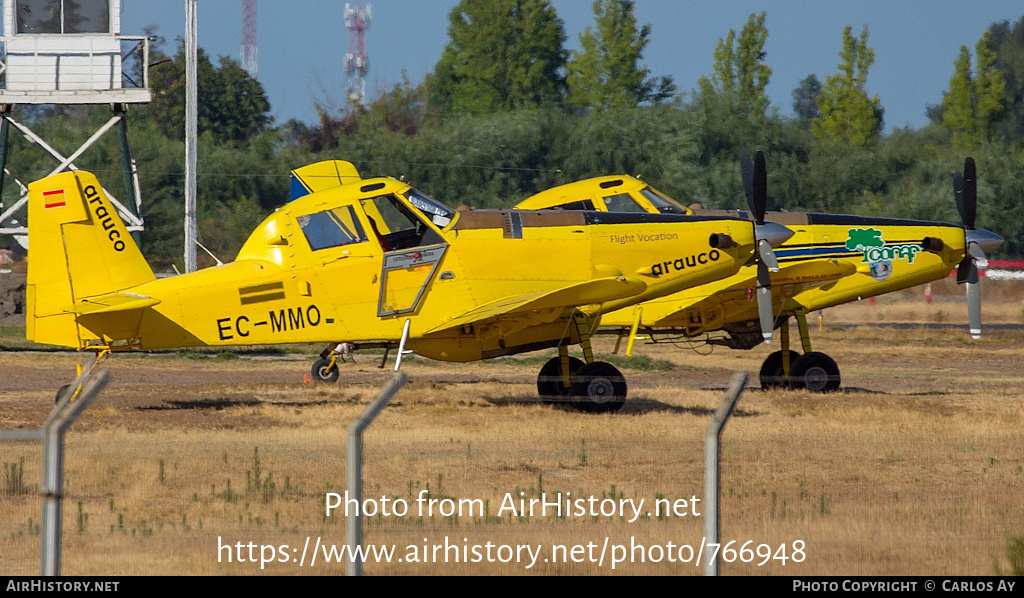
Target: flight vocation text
643 238
561 505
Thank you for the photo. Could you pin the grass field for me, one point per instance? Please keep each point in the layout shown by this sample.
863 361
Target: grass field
915 468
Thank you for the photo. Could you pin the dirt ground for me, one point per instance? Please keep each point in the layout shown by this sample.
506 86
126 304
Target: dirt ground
915 468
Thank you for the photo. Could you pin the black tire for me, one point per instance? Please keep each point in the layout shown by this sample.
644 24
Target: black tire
549 380
60 391
321 373
816 372
771 370
598 388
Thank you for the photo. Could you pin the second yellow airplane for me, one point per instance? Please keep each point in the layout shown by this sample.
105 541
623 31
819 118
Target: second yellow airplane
830 260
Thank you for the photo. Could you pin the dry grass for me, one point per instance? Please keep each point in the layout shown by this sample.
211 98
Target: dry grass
916 469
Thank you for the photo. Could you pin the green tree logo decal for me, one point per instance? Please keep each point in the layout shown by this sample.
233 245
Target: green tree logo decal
862 239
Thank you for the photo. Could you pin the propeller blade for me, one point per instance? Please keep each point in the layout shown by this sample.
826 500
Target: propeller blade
760 187
747 170
965 189
970 210
975 251
967 271
766 313
974 308
767 255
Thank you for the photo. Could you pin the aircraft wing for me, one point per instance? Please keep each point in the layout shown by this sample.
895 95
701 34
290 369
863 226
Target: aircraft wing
795 277
584 293
112 302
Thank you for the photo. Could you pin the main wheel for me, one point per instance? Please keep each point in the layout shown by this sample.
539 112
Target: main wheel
816 372
549 380
598 388
60 391
323 372
772 375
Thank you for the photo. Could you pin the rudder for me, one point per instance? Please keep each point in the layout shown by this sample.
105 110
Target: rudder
78 248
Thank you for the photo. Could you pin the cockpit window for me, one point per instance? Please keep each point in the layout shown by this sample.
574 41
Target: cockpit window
585 204
438 213
332 228
622 202
664 204
396 226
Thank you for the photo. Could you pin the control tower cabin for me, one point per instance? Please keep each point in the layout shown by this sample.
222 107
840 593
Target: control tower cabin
70 52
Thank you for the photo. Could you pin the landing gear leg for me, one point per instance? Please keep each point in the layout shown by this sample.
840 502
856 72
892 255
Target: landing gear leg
776 368
596 387
815 371
554 379
583 329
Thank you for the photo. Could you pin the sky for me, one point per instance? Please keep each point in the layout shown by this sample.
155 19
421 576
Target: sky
302 44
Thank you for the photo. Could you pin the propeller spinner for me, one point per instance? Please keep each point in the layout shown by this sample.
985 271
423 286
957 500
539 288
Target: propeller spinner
768 235
965 190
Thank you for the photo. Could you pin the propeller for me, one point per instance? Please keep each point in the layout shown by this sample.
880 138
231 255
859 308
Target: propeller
965 190
767 234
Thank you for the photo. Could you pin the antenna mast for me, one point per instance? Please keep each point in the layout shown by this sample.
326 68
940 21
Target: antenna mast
357 20
249 37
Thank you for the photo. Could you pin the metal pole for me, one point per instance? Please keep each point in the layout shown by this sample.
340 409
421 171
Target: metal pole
191 132
4 134
57 423
131 174
354 469
711 470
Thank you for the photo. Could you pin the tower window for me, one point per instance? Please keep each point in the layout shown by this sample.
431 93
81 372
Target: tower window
62 16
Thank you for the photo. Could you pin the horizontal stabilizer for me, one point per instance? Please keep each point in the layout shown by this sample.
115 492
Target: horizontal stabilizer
577 295
112 302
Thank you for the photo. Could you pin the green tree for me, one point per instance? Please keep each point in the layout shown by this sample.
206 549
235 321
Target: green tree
1008 43
958 105
989 88
501 55
607 72
847 114
805 99
739 67
233 106
974 104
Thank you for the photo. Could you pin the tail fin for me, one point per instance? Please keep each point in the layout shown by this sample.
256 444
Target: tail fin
79 249
322 175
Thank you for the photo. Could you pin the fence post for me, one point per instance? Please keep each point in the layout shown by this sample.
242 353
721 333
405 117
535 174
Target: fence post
711 470
354 469
57 423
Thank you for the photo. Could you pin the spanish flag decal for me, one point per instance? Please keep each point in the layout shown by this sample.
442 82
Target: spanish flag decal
54 198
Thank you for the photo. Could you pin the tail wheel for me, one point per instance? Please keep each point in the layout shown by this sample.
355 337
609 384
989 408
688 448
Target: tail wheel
549 380
323 371
598 388
772 375
816 372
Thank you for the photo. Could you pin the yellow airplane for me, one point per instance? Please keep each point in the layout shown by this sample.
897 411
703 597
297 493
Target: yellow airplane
375 262
830 260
